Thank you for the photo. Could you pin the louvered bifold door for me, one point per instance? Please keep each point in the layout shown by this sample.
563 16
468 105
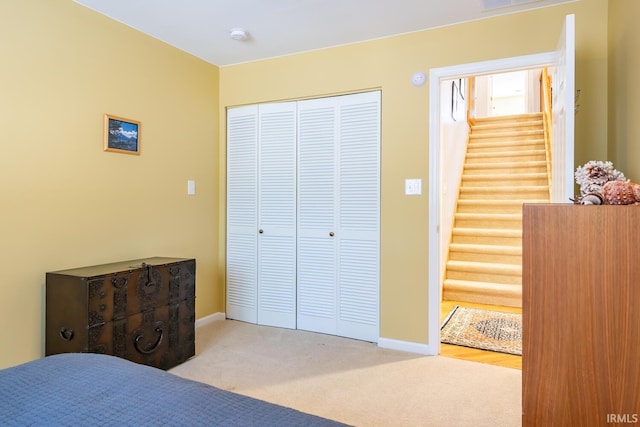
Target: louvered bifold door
242 213
317 293
277 215
358 232
338 215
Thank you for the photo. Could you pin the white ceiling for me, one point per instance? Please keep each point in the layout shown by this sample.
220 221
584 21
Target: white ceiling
283 27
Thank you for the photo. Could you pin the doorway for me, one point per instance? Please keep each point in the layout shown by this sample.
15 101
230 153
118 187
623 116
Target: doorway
562 61
436 153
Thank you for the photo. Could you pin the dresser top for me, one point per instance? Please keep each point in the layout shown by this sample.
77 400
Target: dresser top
102 269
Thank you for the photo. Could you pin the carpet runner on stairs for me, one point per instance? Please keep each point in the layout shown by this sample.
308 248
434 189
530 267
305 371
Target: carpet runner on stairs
505 166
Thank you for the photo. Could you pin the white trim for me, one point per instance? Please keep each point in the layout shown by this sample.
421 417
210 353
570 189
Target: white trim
407 346
206 320
436 75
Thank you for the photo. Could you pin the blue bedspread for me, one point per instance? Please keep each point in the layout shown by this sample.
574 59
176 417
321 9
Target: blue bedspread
85 389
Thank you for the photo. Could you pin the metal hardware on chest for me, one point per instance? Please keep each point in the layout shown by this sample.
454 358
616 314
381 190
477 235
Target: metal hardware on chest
66 334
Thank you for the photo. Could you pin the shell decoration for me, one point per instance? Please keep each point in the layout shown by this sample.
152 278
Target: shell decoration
594 175
621 193
590 199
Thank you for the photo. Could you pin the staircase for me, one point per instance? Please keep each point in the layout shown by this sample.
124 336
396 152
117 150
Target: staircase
505 166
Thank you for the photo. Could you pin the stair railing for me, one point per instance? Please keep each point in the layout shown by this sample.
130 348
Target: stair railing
471 101
547 117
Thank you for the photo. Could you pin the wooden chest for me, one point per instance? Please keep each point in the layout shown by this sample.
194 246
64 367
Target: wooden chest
141 310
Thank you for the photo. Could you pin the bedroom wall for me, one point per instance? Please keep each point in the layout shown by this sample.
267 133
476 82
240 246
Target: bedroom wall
388 64
66 203
624 88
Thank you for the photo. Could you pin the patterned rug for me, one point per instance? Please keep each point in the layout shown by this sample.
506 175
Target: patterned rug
483 329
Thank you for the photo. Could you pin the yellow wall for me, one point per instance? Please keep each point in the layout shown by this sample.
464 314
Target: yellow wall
67 203
388 64
624 88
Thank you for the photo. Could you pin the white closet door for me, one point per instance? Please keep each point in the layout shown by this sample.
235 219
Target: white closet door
277 214
317 293
242 213
338 215
358 216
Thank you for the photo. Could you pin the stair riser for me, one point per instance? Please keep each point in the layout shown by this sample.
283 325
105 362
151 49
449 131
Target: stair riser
483 257
533 126
482 168
484 277
501 152
510 159
502 195
507 295
505 136
499 182
484 298
462 208
484 268
496 224
522 116
474 148
487 240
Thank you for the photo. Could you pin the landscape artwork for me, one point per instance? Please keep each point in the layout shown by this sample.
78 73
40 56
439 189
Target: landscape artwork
121 135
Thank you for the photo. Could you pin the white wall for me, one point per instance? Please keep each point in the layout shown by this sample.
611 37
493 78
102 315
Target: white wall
453 148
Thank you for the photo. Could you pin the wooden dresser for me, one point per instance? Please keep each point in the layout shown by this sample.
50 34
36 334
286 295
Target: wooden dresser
141 310
581 315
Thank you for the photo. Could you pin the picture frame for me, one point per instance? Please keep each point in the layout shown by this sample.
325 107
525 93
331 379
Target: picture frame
121 135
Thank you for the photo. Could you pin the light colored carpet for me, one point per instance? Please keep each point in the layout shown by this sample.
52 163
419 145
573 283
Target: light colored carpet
352 381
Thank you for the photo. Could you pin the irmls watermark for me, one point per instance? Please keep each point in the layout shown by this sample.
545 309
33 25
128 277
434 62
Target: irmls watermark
622 418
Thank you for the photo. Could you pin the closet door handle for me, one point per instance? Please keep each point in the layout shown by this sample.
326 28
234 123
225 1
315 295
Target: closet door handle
261 231
331 233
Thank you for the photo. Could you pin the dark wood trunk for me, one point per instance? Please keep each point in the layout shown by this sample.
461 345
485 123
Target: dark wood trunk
141 310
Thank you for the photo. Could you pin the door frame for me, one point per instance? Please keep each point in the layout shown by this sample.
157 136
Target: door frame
436 76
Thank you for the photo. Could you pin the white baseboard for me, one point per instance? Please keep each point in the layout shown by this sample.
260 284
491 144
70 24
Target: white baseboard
407 346
210 318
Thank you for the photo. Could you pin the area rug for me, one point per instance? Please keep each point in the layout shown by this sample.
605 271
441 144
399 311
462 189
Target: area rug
483 329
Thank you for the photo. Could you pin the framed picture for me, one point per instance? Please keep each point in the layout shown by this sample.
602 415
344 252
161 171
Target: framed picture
121 135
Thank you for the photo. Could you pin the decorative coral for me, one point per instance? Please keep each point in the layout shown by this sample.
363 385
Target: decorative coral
592 177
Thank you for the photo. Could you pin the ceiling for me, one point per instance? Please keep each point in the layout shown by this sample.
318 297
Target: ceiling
284 27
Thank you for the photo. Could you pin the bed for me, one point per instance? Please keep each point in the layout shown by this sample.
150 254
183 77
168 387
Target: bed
86 389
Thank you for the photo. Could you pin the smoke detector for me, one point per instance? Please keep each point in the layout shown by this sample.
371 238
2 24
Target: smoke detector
238 34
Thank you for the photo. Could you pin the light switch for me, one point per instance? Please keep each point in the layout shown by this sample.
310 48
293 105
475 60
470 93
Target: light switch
191 187
412 187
